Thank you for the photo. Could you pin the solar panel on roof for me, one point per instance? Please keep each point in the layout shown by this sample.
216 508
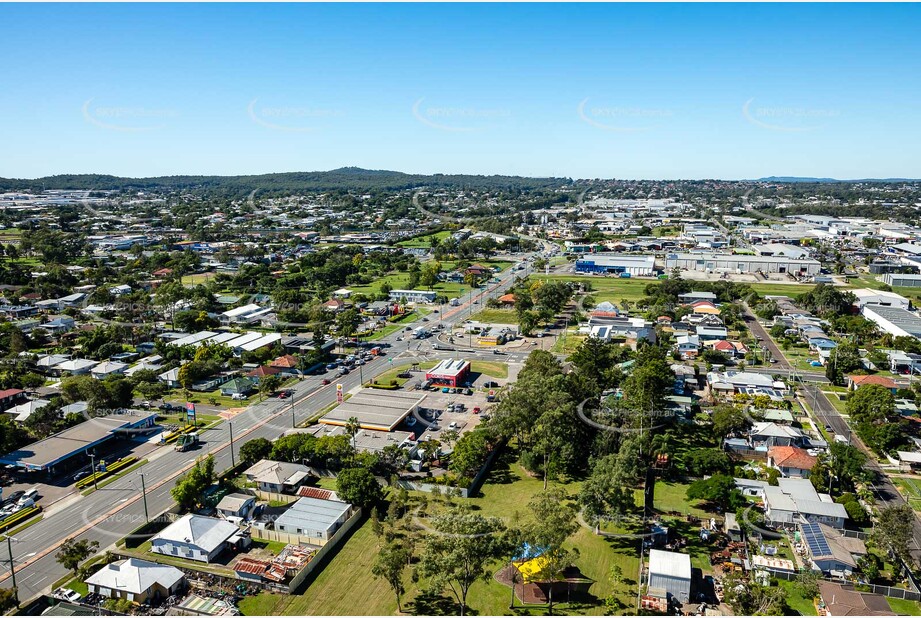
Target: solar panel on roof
815 539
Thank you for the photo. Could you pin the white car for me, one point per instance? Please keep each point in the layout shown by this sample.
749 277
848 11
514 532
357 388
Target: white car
66 594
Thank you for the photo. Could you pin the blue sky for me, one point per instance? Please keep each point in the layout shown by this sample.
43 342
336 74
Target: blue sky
587 91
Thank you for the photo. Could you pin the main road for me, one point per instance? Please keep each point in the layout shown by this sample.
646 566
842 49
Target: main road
829 417
114 511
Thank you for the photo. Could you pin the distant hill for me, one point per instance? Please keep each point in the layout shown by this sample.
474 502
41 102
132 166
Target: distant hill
343 179
808 179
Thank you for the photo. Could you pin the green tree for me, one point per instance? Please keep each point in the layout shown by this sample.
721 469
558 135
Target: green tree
255 451
352 427
893 530
269 384
460 552
470 453
607 494
74 552
719 489
554 521
359 487
871 404
389 565
189 489
727 419
7 599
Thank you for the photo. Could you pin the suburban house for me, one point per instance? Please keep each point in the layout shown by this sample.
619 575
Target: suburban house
840 601
794 501
729 383
765 435
688 346
236 506
11 397
136 580
830 551
238 386
277 476
195 537
791 461
108 368
855 382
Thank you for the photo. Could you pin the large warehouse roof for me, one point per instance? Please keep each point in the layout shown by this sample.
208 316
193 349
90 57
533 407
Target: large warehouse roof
54 449
374 409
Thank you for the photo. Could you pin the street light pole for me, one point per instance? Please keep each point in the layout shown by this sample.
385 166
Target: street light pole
93 472
144 493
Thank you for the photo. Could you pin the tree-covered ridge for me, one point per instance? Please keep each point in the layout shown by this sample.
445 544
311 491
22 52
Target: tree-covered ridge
286 182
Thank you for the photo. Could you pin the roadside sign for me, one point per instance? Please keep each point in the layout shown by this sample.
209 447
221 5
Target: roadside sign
191 417
339 393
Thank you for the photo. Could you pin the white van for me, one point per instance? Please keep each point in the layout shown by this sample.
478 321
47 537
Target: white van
31 494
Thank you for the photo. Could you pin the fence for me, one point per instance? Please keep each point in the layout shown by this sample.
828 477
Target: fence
886 591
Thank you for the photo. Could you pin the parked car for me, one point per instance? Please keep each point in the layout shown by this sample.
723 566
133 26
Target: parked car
81 475
238 396
476 410
66 594
14 497
324 381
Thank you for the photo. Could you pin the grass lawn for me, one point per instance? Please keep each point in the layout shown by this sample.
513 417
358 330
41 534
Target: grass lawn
910 488
400 281
423 242
222 401
388 376
796 601
904 607
490 368
77 586
612 289
673 497
197 278
496 316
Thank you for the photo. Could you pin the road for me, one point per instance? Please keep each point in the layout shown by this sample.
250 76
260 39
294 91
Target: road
827 415
112 512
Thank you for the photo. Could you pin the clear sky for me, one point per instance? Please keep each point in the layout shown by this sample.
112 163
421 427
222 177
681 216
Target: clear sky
587 91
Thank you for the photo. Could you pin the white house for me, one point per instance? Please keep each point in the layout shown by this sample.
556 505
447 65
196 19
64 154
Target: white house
195 537
136 580
108 368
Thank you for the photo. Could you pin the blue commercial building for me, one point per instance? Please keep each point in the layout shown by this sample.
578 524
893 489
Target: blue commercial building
615 264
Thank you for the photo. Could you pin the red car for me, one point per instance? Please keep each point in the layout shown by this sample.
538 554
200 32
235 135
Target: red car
476 410
325 381
283 395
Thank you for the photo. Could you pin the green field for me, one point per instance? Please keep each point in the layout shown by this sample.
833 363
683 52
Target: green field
490 368
423 242
496 316
197 278
910 488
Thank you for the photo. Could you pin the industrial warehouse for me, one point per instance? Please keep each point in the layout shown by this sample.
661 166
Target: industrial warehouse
612 263
727 262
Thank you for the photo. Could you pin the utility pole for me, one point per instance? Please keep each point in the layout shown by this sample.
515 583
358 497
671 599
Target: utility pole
144 493
9 547
233 460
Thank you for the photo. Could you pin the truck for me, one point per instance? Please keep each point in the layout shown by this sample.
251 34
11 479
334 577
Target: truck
420 333
455 302
186 442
